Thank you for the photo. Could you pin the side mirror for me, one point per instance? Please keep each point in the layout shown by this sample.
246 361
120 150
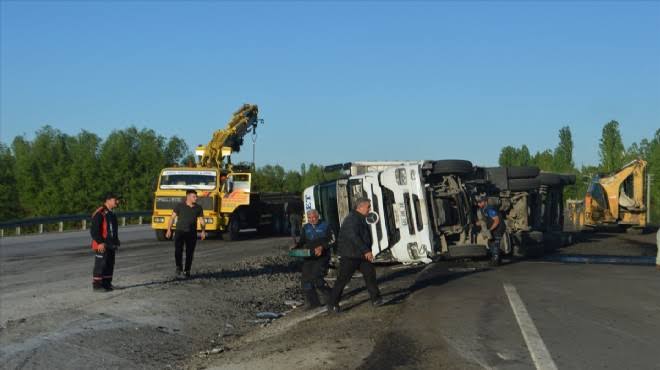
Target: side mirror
372 218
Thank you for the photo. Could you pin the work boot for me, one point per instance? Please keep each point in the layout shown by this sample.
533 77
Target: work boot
178 274
495 256
333 309
378 302
325 294
97 287
186 274
311 299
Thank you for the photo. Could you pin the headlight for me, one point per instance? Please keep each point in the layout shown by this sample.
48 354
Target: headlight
208 220
159 220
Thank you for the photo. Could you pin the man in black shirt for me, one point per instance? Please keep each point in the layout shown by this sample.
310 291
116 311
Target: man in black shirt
355 254
186 215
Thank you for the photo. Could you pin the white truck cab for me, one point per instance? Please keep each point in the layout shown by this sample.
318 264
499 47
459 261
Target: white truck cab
399 220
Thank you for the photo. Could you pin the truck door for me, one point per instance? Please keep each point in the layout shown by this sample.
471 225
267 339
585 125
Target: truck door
410 213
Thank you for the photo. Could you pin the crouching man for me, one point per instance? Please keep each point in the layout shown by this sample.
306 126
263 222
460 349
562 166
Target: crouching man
318 238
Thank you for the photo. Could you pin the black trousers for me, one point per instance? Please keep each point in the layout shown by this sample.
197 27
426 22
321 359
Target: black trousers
104 267
189 238
313 270
348 266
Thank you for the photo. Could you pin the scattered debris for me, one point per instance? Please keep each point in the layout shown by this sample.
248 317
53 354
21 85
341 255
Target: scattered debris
213 351
293 303
269 315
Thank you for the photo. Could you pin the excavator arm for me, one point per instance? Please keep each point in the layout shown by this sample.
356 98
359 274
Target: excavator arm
618 198
229 139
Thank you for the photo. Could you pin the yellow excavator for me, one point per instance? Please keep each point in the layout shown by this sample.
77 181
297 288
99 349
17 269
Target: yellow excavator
615 199
224 191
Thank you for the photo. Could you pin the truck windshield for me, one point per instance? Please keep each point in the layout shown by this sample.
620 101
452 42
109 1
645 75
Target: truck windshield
180 179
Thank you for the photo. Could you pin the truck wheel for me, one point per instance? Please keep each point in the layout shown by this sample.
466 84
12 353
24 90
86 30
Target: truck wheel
522 172
567 179
549 179
160 235
523 184
233 229
452 166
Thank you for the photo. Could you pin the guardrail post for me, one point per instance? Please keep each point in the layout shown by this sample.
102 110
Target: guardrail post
140 220
18 230
61 226
2 233
123 221
41 228
84 224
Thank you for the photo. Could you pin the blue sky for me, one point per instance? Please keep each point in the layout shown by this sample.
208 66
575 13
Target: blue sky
337 81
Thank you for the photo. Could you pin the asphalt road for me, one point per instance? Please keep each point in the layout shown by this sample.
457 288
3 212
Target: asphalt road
523 315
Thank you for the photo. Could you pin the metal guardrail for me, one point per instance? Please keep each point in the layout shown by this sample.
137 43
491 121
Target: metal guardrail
83 218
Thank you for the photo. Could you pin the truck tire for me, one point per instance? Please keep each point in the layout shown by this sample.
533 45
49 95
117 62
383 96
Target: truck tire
522 172
567 179
452 166
523 184
549 179
160 235
467 251
233 230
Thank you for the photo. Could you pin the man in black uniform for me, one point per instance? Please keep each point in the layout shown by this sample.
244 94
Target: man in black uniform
105 240
318 237
354 252
495 225
186 214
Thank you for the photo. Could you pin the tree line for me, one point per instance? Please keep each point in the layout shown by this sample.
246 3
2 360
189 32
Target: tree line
612 154
55 173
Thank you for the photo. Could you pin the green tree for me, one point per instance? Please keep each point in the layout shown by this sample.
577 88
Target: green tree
511 156
9 203
563 155
544 160
612 151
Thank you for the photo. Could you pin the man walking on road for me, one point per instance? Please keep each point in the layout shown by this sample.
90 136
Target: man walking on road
105 241
318 237
354 252
186 214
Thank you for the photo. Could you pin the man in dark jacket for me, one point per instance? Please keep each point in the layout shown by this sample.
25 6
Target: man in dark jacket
495 226
318 238
105 240
354 252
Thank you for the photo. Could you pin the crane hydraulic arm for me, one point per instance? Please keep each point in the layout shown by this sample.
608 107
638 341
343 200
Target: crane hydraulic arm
229 139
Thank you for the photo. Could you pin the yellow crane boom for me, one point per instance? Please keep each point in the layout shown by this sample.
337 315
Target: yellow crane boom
229 139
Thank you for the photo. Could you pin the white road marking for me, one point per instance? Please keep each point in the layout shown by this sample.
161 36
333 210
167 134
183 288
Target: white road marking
537 348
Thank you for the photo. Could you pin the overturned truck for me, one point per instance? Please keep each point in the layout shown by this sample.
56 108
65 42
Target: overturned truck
425 210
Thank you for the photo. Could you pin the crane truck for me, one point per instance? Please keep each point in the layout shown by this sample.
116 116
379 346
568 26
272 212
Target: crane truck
224 190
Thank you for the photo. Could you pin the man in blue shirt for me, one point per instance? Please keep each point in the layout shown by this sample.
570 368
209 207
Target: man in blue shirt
496 227
318 237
